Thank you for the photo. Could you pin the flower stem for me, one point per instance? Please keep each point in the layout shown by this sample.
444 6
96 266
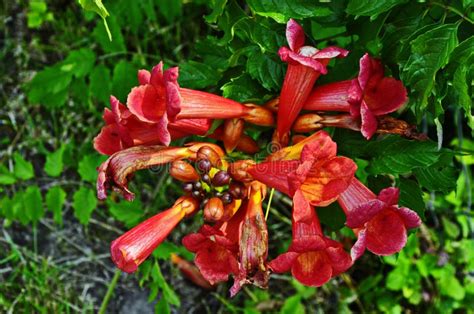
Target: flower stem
269 203
110 291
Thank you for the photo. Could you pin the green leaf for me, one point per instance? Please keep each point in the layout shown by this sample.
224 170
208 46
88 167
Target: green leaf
371 8
6 177
436 178
84 203
87 167
79 62
282 10
98 7
124 78
217 10
49 87
55 199
267 70
460 90
33 203
166 248
100 83
411 196
170 9
429 53
449 285
102 34
395 155
242 89
130 213
293 305
23 169
162 306
194 74
54 162
168 292
450 228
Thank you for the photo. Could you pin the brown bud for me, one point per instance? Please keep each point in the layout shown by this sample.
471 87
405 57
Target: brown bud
214 210
233 130
259 115
272 105
237 190
210 154
247 145
238 170
183 171
308 123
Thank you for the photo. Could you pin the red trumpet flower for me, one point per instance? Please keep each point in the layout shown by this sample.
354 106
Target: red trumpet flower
380 224
368 96
312 258
305 64
134 246
123 129
317 178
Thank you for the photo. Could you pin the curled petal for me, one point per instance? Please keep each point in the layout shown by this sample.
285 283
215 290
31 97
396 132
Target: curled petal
369 69
173 97
108 140
358 248
386 233
331 52
320 148
387 96
274 174
294 35
286 55
144 77
147 103
410 218
116 170
369 121
312 268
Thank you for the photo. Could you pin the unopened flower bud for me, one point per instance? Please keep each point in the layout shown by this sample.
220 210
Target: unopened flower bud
183 171
247 145
208 153
214 210
308 123
206 178
197 185
221 178
188 187
237 190
259 115
238 170
233 130
189 205
204 165
226 198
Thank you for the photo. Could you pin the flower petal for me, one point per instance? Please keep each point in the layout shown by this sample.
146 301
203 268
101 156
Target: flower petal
386 96
389 196
330 97
369 121
216 263
410 218
147 102
283 262
363 213
328 179
322 147
286 55
386 233
312 268
294 35
144 77
173 97
369 69
274 173
302 211
359 247
331 52
340 260
162 132
108 142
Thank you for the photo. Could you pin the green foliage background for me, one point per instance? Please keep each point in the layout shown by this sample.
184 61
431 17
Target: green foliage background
60 68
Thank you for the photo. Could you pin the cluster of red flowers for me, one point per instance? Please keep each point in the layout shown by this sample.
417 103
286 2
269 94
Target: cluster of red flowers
234 239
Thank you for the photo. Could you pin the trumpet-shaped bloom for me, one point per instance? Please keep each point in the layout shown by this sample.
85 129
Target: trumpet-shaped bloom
305 64
133 247
380 224
317 178
124 129
312 258
367 96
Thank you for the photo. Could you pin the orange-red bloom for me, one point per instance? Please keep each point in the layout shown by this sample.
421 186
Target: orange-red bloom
380 224
305 64
312 258
134 246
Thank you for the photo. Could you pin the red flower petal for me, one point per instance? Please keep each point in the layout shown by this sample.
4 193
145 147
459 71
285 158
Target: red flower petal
274 174
359 247
331 52
294 35
312 269
386 233
363 213
108 116
322 147
410 218
330 97
283 262
302 211
369 69
144 77
162 133
386 96
173 97
369 121
216 263
389 196
327 180
340 260
294 58
108 142
147 102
